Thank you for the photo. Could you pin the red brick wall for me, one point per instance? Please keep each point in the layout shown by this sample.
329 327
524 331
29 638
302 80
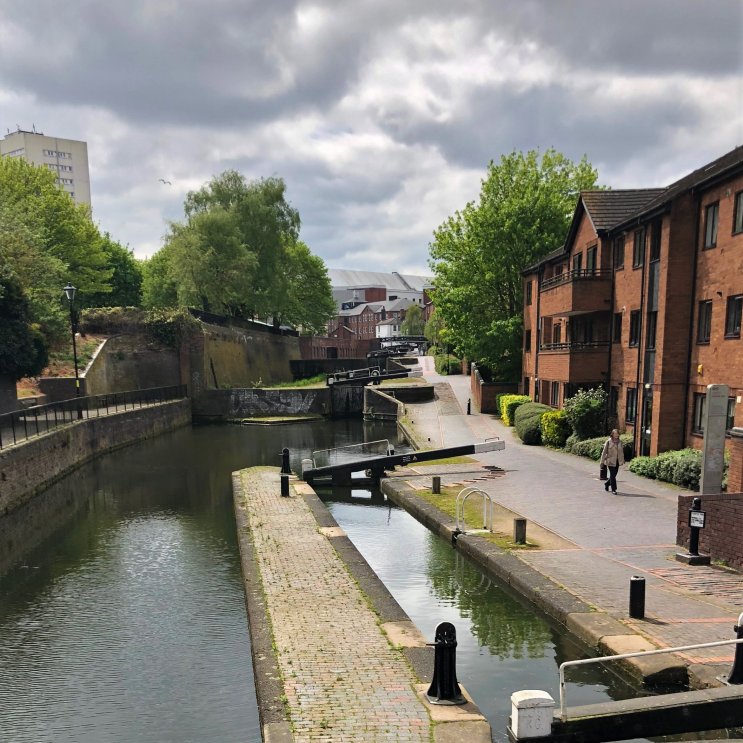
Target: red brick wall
483 393
722 536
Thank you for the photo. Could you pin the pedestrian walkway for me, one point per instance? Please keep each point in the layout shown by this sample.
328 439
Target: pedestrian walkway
610 538
342 679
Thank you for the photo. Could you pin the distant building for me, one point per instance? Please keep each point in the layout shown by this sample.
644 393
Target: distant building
66 158
375 286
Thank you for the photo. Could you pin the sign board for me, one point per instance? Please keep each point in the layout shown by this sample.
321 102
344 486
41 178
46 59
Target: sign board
715 422
697 518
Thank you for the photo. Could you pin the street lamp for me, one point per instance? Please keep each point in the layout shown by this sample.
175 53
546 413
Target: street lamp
69 291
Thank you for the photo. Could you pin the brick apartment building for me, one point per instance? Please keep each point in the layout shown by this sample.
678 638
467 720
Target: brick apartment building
644 298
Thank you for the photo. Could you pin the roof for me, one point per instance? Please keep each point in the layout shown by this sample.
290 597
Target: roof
607 208
341 278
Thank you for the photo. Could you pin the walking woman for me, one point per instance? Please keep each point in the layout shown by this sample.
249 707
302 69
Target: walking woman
612 456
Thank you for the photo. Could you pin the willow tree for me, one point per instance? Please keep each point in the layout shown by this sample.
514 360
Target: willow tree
478 255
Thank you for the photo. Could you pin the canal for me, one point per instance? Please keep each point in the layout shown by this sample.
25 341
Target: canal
122 612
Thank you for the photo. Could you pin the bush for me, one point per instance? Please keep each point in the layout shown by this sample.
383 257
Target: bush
508 405
555 428
447 364
682 468
527 421
644 466
592 448
585 412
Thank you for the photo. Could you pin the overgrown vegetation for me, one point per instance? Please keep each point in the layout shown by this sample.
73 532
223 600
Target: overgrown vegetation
167 326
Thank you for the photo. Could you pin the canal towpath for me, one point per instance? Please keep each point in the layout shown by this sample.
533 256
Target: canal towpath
607 538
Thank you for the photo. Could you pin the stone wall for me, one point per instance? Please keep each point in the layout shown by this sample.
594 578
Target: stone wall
380 406
483 393
251 402
27 468
722 536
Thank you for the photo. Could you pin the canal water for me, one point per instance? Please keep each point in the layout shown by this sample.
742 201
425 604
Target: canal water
122 612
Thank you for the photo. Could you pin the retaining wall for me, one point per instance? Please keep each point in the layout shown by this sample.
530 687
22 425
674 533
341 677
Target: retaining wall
252 403
27 468
722 536
380 406
483 393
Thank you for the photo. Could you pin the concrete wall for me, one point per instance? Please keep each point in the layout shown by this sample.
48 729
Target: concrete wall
380 406
722 536
29 467
249 403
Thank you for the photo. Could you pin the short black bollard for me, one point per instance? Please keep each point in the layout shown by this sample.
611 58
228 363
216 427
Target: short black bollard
519 531
469 406
436 485
285 469
736 673
696 505
444 688
284 485
637 597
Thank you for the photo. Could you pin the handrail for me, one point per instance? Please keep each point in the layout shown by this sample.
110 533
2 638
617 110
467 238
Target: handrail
567 276
36 420
574 346
641 654
486 498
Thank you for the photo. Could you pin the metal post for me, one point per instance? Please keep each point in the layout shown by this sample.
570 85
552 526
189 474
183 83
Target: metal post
285 469
696 505
436 484
736 673
444 688
469 406
285 485
637 597
519 531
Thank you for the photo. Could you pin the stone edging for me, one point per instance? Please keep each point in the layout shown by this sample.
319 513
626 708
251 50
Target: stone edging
598 630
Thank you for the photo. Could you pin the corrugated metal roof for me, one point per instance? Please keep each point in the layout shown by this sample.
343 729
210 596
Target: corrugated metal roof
341 278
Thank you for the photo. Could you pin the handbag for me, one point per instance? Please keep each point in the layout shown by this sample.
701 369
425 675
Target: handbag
602 472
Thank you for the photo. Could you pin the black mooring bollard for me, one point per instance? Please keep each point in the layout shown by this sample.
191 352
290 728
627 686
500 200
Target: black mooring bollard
736 672
469 406
696 505
637 597
285 469
284 485
444 688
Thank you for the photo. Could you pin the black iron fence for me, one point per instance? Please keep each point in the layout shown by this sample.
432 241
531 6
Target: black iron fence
37 420
575 275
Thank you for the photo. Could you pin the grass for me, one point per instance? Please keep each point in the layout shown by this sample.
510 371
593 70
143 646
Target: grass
447 503
317 381
451 460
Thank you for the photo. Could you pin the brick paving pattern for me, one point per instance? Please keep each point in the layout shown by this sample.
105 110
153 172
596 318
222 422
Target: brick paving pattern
342 679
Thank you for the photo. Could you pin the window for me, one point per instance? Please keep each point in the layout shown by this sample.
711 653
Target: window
731 414
638 250
577 263
700 401
732 316
617 338
711 215
613 400
557 333
652 321
591 259
528 292
630 410
634 328
655 234
527 341
704 321
738 213
619 253
526 385
555 394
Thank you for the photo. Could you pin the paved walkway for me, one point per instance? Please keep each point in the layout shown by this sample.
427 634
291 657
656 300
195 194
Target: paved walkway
342 679
613 536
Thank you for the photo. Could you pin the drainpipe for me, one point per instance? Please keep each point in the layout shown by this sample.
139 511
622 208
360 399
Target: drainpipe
538 333
639 399
687 383
611 335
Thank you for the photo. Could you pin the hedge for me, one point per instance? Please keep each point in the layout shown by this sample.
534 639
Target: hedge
508 405
592 448
527 421
555 428
447 364
683 467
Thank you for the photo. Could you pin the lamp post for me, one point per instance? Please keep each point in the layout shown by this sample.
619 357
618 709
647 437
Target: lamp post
69 291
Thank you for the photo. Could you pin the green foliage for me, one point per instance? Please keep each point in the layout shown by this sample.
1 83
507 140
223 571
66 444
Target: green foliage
159 289
413 323
523 213
592 448
125 281
527 421
682 468
555 428
435 330
167 326
585 412
22 348
447 364
508 405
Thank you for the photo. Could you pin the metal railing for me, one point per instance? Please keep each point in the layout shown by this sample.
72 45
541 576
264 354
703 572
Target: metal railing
641 654
34 421
567 276
574 346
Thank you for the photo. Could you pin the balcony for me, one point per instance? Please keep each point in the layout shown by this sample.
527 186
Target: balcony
573 362
575 293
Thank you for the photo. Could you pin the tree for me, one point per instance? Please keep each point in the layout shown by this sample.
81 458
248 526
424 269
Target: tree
435 330
159 290
125 282
524 211
22 347
413 323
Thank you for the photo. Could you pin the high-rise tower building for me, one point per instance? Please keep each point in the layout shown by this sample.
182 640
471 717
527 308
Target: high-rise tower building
66 158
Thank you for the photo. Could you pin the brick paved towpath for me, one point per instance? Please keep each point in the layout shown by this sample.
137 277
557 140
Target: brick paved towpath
336 671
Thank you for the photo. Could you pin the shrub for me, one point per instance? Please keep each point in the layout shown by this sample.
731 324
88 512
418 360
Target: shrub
682 468
555 428
527 421
585 412
644 466
508 405
447 364
592 448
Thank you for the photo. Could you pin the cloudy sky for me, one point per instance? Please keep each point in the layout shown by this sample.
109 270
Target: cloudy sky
380 115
